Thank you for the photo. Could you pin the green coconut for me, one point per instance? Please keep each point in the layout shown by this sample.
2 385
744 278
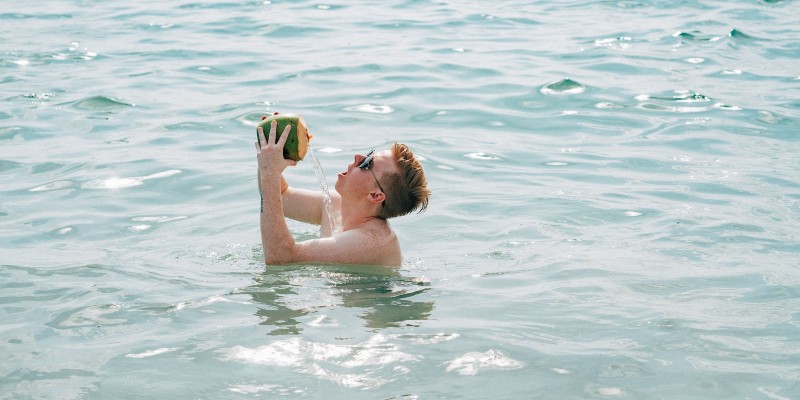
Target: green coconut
296 145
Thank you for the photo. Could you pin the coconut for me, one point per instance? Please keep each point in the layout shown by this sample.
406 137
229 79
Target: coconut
296 145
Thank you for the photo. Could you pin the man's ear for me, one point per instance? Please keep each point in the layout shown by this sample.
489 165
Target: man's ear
377 197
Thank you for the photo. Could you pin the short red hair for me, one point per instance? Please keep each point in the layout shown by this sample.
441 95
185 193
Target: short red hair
408 189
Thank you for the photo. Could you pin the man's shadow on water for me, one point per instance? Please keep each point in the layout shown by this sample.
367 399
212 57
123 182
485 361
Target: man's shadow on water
287 294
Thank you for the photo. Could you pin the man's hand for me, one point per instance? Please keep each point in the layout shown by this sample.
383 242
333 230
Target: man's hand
270 152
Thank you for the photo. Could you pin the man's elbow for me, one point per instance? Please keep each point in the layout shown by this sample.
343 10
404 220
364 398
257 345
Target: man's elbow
281 257
275 260
279 253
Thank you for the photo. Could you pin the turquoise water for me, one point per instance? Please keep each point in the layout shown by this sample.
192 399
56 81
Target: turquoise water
615 214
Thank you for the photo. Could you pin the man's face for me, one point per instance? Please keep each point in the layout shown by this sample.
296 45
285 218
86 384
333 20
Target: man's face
361 180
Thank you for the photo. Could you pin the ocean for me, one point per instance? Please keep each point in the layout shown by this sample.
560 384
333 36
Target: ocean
615 210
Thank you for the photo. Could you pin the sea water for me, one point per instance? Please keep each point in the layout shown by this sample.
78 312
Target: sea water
615 208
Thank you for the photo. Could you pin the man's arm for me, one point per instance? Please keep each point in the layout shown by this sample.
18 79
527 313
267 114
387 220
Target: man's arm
298 204
308 206
302 205
276 239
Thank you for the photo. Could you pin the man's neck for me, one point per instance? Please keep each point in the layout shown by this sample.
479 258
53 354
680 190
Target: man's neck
356 216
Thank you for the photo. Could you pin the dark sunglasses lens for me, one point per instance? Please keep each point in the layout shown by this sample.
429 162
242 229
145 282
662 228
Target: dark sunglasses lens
367 162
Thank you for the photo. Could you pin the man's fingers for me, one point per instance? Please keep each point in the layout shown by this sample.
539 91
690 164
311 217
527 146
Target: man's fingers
272 127
284 135
260 136
271 140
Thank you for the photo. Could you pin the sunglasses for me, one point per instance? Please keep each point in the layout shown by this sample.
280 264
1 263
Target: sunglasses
366 163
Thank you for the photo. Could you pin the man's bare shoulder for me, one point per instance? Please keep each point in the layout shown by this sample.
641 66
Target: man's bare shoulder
373 243
376 234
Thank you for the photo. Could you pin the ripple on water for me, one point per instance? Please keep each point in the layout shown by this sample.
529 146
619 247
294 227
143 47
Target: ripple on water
608 105
56 185
365 359
256 390
565 86
89 316
481 156
680 96
621 43
681 101
371 109
738 34
120 183
101 103
159 219
473 362
695 36
151 353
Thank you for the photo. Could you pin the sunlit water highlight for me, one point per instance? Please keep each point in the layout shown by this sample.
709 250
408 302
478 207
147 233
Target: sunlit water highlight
615 208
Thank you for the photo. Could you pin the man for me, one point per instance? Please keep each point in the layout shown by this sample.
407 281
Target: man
374 188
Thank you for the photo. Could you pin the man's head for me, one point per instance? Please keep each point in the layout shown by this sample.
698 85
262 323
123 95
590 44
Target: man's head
406 185
392 180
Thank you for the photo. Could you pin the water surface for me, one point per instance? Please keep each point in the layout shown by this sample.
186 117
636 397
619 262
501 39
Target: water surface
615 208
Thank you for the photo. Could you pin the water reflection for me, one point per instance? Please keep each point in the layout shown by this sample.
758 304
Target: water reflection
288 297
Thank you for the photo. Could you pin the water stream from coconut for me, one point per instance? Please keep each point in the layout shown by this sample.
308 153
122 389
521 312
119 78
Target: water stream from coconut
328 224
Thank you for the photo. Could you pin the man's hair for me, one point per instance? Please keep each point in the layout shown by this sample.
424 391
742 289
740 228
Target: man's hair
408 190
